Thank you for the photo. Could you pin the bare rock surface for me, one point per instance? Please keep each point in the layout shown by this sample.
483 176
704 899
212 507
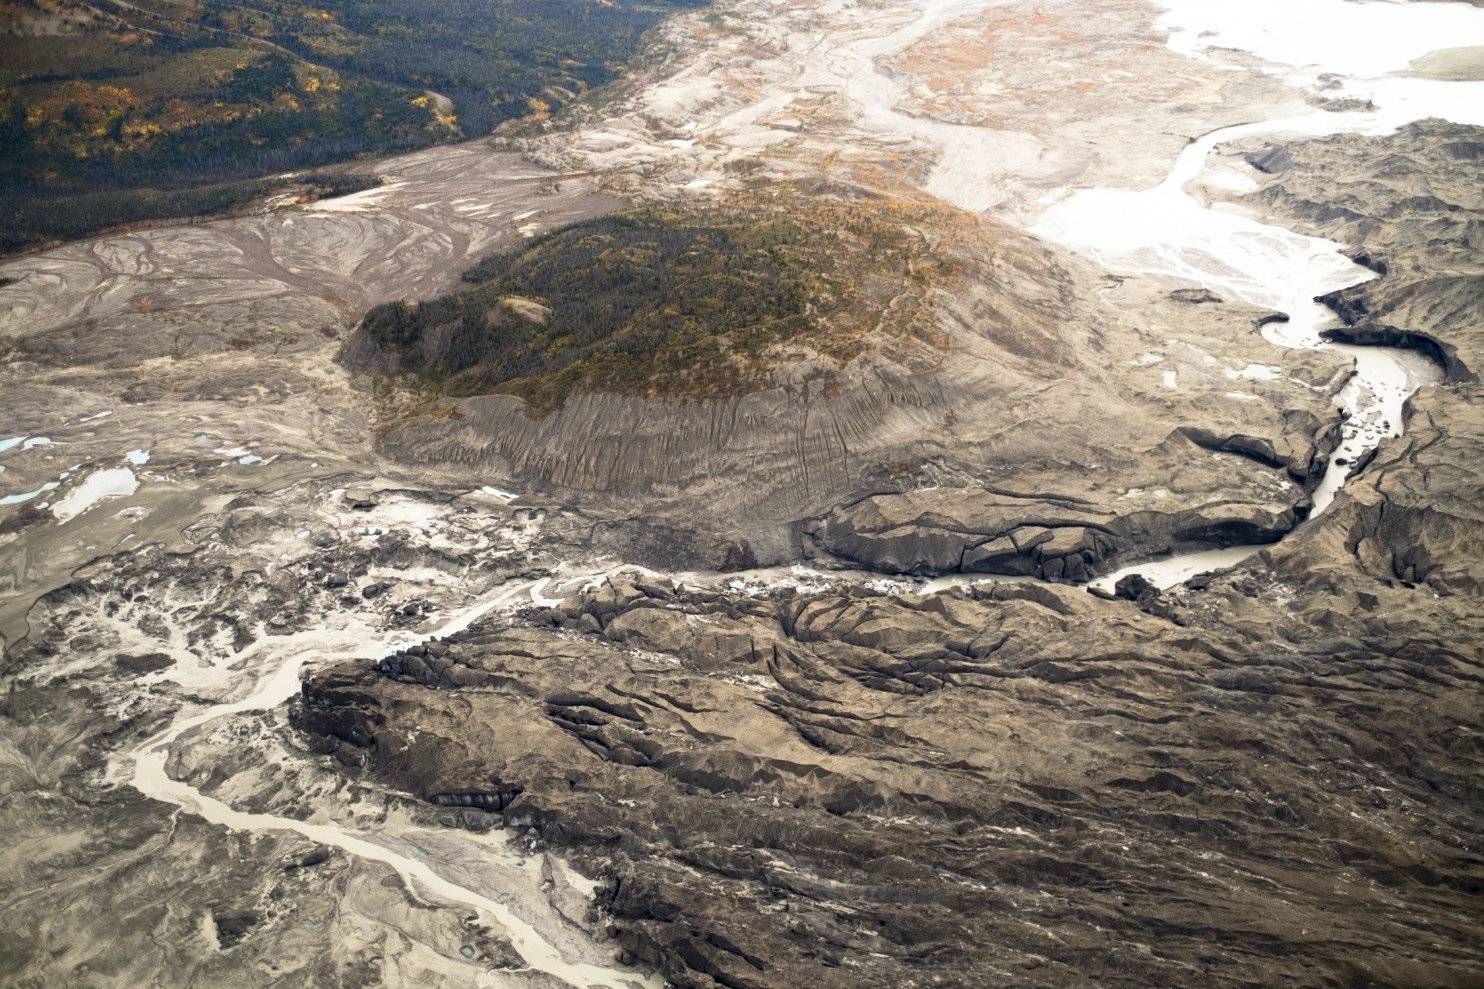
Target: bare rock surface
1026 784
1412 212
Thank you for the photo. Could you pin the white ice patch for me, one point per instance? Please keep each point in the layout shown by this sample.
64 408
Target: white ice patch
1172 379
1257 372
24 442
137 457
97 415
1362 42
500 493
100 485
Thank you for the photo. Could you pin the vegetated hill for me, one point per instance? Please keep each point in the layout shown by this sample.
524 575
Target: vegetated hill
679 301
112 112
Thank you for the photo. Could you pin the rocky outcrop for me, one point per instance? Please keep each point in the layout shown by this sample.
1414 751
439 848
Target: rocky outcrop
944 531
1413 210
1018 782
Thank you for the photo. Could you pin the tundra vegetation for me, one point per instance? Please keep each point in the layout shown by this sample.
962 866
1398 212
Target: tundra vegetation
674 301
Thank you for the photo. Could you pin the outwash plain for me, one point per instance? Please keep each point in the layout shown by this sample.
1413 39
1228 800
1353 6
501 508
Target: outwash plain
888 493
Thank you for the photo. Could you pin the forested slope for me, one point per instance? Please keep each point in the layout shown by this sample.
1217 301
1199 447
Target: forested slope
113 112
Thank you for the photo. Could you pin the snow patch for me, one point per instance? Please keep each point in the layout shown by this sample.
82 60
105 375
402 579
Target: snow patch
490 491
1257 372
100 485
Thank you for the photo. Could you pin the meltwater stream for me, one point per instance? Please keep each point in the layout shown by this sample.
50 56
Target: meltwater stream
150 777
1165 234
